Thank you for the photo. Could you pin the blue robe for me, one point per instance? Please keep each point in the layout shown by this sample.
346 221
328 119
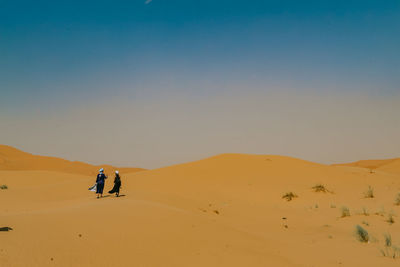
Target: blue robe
101 177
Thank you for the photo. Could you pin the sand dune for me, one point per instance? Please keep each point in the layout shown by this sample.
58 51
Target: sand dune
225 210
386 165
370 164
14 159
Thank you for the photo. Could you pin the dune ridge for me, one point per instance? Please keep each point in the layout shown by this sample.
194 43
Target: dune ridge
387 165
225 210
17 160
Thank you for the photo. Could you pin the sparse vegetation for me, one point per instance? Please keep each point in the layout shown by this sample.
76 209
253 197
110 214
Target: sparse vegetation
320 188
397 200
380 212
4 186
289 196
362 234
390 219
390 250
369 193
345 212
365 211
365 223
333 206
388 240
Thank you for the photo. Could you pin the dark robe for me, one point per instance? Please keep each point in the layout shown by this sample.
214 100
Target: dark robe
117 184
100 180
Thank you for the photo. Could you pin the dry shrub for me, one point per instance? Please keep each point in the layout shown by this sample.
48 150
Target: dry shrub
289 196
369 193
345 212
320 188
362 234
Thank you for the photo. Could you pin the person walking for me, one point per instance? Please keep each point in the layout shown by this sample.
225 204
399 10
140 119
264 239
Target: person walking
100 181
117 184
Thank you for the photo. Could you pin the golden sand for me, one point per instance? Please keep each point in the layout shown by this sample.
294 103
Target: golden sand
225 210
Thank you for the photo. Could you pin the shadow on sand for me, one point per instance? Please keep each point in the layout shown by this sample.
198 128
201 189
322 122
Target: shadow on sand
112 195
5 229
103 196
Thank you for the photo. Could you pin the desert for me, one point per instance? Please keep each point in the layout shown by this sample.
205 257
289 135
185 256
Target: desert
226 210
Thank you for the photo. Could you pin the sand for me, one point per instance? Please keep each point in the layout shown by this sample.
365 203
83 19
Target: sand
14 159
225 210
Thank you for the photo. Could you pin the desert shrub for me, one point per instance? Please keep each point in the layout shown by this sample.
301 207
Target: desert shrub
362 234
320 188
380 212
345 212
365 211
390 250
365 223
289 196
397 200
388 240
390 219
369 193
3 186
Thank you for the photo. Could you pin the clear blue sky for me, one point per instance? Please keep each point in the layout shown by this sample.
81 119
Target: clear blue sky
57 57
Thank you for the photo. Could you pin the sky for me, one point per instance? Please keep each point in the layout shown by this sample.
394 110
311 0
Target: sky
152 83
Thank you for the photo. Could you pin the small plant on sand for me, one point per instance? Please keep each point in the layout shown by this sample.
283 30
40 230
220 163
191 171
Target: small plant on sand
369 193
381 211
397 200
289 196
320 188
345 212
365 212
390 219
362 234
3 186
390 250
388 240
365 223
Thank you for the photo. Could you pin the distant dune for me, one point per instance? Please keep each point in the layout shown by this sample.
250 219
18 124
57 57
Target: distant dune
226 210
17 160
387 165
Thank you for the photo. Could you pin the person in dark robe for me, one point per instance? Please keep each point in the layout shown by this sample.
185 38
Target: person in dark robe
117 184
100 181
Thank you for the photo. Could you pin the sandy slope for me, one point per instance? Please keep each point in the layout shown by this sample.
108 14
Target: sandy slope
14 159
387 165
221 211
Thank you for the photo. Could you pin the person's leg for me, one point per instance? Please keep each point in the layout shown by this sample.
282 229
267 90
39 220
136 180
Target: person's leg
101 190
98 188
